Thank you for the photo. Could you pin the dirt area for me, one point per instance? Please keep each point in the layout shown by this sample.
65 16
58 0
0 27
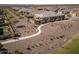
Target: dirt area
25 28
53 36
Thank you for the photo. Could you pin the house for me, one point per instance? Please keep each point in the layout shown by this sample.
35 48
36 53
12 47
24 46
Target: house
48 16
1 24
16 8
1 20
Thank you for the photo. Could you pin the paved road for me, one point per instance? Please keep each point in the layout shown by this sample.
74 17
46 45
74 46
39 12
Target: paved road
26 37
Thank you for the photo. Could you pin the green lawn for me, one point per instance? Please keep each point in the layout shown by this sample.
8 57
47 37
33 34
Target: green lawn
72 47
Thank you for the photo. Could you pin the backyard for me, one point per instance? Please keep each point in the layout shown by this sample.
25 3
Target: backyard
72 47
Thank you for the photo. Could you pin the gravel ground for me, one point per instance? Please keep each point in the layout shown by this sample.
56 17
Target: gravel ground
53 36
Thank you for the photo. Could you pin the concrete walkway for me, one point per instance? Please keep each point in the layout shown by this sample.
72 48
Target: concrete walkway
26 37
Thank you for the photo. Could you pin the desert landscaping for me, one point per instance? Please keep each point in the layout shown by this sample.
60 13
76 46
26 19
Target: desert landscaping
40 29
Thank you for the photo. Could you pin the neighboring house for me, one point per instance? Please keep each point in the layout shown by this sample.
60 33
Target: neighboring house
1 24
48 16
16 8
1 20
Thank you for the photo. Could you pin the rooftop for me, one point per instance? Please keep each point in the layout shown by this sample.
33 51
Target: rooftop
47 14
16 8
23 9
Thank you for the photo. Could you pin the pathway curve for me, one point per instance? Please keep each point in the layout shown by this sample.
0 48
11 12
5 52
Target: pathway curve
26 37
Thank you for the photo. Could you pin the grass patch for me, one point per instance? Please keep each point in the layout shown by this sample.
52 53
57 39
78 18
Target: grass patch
72 47
5 29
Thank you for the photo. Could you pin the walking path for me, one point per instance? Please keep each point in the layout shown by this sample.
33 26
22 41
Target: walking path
26 37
